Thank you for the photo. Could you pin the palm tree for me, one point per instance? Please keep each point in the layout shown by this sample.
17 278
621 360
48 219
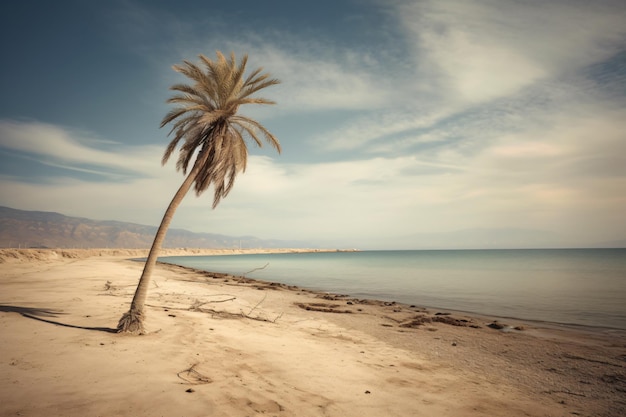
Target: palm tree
207 122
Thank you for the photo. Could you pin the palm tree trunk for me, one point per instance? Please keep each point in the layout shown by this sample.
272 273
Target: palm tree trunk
133 320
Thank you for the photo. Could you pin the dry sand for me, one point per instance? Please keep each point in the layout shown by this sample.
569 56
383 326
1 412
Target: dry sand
225 346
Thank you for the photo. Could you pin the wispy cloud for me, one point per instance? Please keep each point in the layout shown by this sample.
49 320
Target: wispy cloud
319 77
481 50
75 150
129 178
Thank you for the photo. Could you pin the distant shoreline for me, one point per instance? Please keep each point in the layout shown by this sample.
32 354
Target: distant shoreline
21 255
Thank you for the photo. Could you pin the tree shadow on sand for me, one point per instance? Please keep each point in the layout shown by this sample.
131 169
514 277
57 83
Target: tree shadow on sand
45 315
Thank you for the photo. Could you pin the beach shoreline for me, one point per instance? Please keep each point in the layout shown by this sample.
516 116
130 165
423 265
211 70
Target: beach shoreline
38 254
251 347
487 318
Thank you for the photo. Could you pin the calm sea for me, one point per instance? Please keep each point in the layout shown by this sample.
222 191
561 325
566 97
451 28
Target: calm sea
573 286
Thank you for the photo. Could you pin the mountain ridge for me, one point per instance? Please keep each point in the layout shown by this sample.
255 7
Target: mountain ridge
46 229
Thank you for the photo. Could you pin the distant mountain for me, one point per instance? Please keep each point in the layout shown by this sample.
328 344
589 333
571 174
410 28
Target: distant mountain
40 229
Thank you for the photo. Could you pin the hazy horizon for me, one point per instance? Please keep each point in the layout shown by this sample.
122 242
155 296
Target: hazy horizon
398 119
469 239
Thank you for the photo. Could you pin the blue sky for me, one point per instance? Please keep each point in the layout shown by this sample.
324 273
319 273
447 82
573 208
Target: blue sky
399 120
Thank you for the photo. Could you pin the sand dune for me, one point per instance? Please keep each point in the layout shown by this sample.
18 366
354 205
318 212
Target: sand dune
226 346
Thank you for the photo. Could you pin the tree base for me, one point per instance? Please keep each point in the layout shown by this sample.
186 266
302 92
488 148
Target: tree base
132 322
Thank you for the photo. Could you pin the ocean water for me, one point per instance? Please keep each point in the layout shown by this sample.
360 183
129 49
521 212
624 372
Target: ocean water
570 286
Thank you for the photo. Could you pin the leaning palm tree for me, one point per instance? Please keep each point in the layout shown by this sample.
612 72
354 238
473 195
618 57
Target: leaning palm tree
207 123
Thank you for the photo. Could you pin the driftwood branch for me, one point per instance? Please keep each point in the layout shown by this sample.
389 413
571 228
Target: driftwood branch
243 276
256 269
195 306
258 318
564 392
257 304
193 377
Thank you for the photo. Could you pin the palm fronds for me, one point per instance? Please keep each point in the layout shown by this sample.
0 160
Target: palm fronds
205 121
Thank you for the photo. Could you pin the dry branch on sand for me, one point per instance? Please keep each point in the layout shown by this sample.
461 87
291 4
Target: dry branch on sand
196 306
192 377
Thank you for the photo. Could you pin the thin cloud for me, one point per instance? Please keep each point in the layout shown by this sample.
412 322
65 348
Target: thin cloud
481 50
322 78
75 150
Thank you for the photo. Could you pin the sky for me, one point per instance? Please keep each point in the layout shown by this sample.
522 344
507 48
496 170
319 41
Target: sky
402 123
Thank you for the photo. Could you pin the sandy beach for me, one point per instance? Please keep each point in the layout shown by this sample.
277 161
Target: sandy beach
219 345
